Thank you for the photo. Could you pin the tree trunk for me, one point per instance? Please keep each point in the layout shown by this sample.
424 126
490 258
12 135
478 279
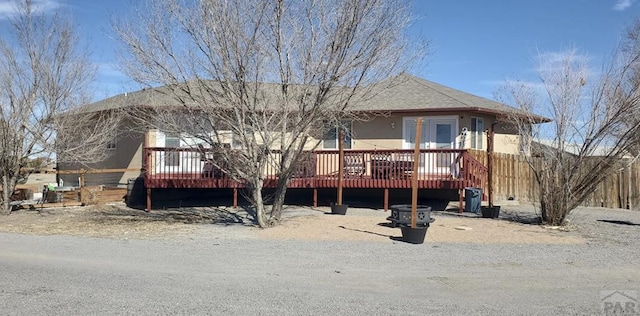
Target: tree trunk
287 167
7 190
554 203
278 200
258 202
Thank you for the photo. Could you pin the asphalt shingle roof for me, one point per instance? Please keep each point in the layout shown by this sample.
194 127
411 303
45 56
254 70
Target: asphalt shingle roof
410 93
402 93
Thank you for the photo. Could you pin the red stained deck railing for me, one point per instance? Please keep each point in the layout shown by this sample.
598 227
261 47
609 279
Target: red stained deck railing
436 169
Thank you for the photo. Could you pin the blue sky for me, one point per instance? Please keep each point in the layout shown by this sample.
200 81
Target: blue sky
475 45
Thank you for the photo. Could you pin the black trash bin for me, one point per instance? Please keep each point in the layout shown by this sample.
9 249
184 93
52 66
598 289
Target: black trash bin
472 200
136 193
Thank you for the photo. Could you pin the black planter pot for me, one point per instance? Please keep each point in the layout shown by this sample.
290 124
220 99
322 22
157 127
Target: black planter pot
490 211
339 209
414 235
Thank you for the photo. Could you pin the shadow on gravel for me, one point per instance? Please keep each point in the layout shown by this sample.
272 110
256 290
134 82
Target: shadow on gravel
366 232
528 219
522 218
628 223
454 212
116 215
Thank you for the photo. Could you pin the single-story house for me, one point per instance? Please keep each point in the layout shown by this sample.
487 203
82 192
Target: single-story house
453 121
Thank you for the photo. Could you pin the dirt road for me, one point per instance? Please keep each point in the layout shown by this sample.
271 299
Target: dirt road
233 269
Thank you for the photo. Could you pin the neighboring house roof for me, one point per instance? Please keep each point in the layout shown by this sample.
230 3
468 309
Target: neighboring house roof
547 146
402 93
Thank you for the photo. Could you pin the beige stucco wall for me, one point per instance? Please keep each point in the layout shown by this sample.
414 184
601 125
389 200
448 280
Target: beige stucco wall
126 155
506 139
505 143
378 133
386 132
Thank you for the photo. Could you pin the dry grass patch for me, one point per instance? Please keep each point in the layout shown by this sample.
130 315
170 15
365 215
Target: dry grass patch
113 221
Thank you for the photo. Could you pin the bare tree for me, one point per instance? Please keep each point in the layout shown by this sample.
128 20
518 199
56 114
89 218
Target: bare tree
82 137
595 129
43 74
266 74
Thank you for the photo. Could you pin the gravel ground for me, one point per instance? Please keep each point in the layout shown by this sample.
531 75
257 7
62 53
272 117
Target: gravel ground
232 268
612 227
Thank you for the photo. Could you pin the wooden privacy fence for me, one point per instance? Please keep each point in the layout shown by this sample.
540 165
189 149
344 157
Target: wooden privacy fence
514 180
97 194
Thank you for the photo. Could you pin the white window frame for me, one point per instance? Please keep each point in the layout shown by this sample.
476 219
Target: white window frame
477 133
172 159
348 134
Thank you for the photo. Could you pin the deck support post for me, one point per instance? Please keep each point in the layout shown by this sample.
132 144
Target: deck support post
460 191
82 182
148 200
315 197
386 199
235 197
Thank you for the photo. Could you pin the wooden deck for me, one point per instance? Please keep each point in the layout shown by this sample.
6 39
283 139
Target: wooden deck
366 182
367 169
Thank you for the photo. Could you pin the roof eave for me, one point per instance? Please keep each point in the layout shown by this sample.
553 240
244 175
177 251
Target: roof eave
499 114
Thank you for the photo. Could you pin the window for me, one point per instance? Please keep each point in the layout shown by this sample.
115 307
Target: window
477 130
172 158
240 141
331 134
236 141
111 144
410 132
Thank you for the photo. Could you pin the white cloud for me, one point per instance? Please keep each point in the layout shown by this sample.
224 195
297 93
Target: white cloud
550 63
9 8
571 54
622 5
6 8
509 82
